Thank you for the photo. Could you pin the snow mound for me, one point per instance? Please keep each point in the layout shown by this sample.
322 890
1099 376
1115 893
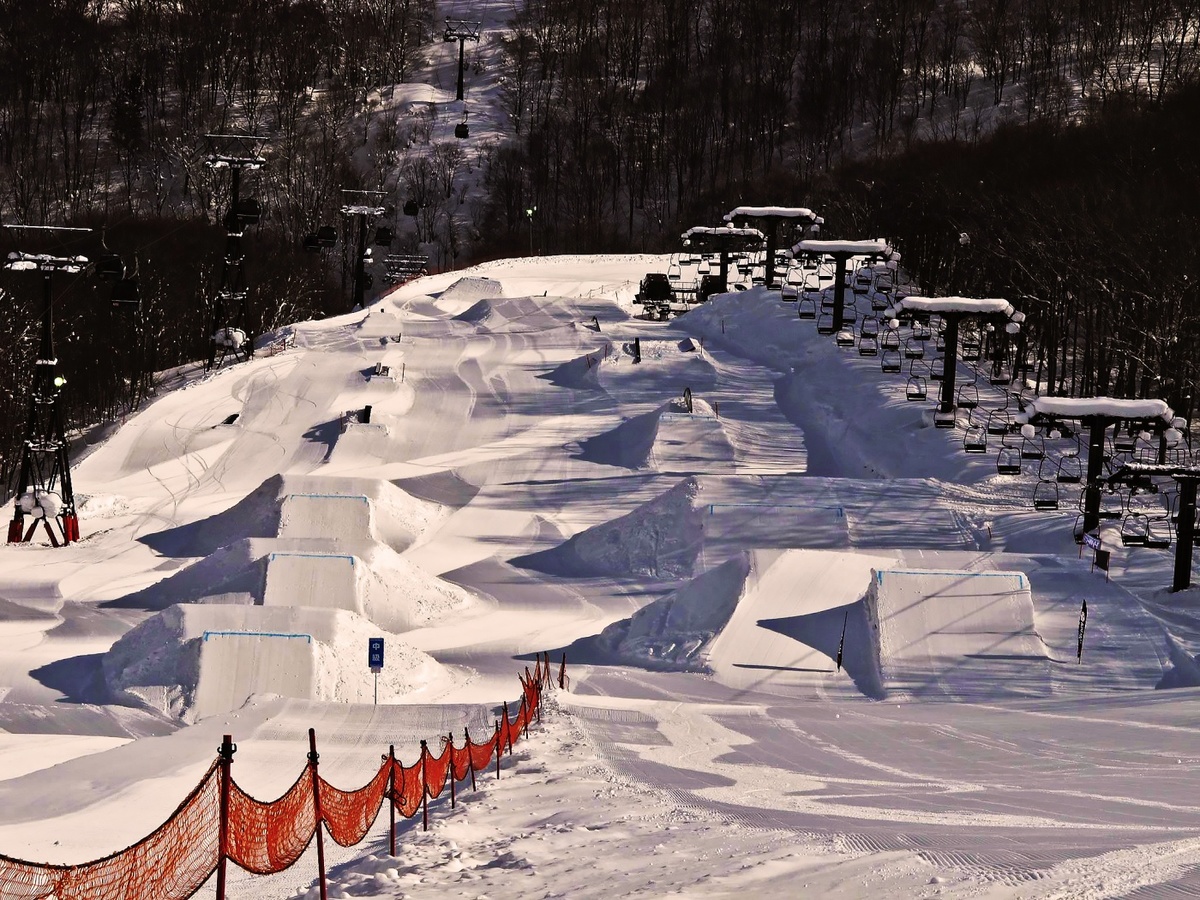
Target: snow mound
661 539
519 313
466 292
581 372
307 506
674 632
630 444
957 635
668 438
194 661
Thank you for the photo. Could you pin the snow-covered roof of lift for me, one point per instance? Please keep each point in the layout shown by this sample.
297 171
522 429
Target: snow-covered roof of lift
1080 407
979 306
363 210
864 248
723 231
24 262
773 212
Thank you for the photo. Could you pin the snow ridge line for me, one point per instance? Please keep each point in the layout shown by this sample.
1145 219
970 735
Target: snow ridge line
218 821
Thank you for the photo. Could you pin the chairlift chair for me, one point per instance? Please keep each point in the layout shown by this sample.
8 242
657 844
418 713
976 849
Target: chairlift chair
383 236
936 370
869 327
806 308
312 243
411 207
1033 448
917 389
939 342
1158 533
110 266
1045 495
914 349
975 439
999 421
868 345
970 349
1134 528
1070 470
918 368
248 211
921 331
849 313
827 300
327 235
1123 443
1008 461
825 323
890 340
126 293
889 362
844 338
879 302
1112 506
1002 377
968 396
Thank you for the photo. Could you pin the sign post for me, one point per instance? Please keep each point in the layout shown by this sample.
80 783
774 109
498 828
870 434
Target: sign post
1082 627
375 661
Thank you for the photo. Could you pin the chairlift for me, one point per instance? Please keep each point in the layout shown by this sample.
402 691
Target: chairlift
921 331
999 421
914 349
890 340
827 300
868 345
1033 448
844 338
1008 461
327 235
883 283
110 266
1045 495
1111 504
968 396
1123 443
917 389
806 308
312 243
1070 470
869 327
970 349
825 323
1134 528
248 211
879 302
937 371
704 267
1001 377
1158 533
126 293
411 207
889 362
850 313
939 342
383 236
975 439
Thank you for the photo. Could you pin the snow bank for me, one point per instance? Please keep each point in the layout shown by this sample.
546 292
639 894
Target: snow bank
674 632
661 539
466 292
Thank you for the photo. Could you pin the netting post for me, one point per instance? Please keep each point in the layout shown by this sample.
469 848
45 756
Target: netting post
523 715
392 800
450 747
424 787
507 733
225 751
313 756
562 672
499 749
470 756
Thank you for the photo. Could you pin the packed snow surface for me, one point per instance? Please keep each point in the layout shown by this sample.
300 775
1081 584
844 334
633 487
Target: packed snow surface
814 648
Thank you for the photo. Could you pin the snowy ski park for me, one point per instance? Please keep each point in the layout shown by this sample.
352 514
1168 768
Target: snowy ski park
524 484
677 598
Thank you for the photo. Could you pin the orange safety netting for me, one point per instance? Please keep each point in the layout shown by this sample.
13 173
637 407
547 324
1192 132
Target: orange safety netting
436 768
269 837
349 814
173 861
410 787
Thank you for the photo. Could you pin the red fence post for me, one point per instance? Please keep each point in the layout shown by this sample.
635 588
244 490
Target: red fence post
523 714
392 800
507 732
499 748
226 751
562 673
313 756
470 756
424 787
450 749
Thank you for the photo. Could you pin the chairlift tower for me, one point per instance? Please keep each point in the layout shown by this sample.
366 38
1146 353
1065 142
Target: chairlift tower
1097 414
723 240
362 213
462 31
842 252
1187 478
769 220
43 490
238 153
952 311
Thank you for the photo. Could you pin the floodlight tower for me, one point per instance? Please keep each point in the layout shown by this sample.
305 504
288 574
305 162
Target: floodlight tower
43 489
361 212
842 252
769 219
462 31
238 153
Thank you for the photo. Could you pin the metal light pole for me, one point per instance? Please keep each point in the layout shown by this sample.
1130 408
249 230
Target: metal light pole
529 211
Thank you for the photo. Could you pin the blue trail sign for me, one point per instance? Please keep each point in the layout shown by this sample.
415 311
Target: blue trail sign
375 653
